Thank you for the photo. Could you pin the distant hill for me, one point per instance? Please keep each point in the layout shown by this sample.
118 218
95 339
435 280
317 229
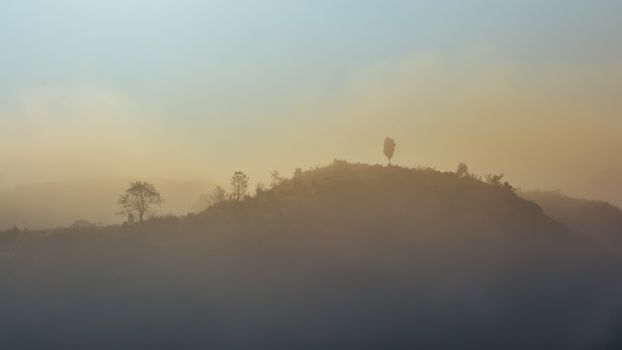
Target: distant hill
601 220
59 204
347 256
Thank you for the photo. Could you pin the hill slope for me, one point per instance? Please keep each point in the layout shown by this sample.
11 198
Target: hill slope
344 256
600 220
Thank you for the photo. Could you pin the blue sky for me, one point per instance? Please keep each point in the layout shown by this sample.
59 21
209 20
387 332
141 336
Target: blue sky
241 84
155 48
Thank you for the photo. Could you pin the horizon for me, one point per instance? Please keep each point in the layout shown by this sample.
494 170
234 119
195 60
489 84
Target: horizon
94 200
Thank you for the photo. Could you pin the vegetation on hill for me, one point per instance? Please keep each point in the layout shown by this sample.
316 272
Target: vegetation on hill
342 256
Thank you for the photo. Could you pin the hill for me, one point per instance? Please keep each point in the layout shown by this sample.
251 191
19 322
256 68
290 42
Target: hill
339 257
600 220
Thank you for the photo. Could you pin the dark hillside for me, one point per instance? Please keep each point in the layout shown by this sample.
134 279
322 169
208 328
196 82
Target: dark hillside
600 220
346 256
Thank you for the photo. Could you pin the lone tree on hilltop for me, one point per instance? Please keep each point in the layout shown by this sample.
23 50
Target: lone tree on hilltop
139 199
239 186
389 148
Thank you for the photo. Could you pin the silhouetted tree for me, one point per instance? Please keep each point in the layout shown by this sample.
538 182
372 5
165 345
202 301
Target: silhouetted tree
239 185
389 148
297 173
138 199
463 170
496 180
276 179
14 229
218 195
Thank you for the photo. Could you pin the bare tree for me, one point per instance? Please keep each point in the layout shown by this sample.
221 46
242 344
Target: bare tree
239 185
139 199
389 148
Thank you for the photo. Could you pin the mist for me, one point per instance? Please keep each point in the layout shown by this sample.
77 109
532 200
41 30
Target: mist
545 127
310 174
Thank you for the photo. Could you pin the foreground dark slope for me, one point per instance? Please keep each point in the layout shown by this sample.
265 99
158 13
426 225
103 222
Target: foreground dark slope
345 256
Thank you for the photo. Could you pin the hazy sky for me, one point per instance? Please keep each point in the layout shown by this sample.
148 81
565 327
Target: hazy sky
196 89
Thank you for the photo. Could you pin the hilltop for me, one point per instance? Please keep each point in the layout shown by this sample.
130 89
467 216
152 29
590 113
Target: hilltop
342 256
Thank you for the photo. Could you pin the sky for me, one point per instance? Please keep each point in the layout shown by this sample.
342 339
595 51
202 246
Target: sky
197 89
